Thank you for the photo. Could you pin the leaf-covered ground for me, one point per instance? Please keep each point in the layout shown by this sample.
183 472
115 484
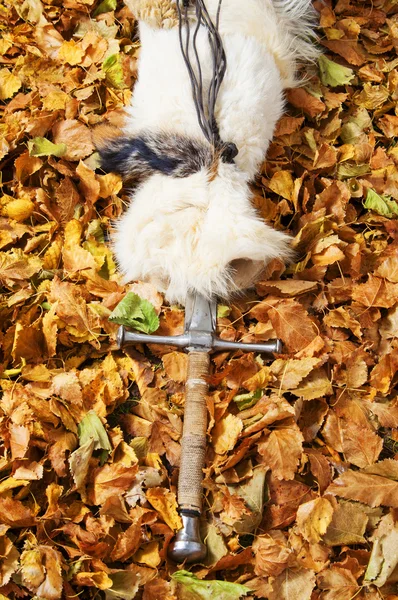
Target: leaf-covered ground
301 486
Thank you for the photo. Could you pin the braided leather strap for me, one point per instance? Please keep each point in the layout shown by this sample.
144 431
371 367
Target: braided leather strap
194 433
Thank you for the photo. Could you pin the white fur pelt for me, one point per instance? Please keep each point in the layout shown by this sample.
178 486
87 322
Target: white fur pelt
183 233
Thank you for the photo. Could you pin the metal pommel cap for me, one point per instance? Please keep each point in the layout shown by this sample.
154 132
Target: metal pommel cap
187 546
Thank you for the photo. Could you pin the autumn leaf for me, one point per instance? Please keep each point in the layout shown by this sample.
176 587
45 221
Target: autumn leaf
293 583
165 503
347 526
337 583
281 451
384 556
42 147
292 324
41 571
75 136
313 519
9 84
113 70
92 429
334 74
190 586
225 433
383 205
271 553
127 542
369 489
111 479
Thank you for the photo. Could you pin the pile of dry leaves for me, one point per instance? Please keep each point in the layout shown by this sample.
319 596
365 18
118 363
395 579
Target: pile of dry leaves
301 486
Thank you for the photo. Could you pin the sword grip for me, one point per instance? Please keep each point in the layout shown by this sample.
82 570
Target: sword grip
193 443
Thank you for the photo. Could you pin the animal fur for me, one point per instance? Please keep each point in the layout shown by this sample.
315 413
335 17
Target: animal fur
190 224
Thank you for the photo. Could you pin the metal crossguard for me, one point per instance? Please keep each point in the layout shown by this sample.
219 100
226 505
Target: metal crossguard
199 340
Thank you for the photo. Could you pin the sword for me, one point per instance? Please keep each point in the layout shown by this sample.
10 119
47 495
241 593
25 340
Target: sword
199 340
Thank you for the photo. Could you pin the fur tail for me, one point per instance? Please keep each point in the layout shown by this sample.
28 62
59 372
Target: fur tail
300 20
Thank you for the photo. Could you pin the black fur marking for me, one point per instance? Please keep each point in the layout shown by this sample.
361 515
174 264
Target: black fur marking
137 158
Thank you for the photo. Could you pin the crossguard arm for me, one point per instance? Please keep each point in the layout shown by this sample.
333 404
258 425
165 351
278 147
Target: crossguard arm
195 341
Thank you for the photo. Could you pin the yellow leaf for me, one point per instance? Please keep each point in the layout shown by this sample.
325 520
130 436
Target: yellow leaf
259 380
225 433
165 503
52 256
110 184
175 365
98 579
291 372
10 483
282 184
19 209
313 519
55 101
71 53
41 571
148 555
9 84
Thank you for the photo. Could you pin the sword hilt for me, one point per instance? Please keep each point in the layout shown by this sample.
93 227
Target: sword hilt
195 340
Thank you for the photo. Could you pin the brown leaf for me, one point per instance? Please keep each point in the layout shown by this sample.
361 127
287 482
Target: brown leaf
271 554
338 583
225 433
292 324
286 288
291 372
386 468
281 451
76 136
71 307
293 583
301 99
383 373
376 292
127 543
110 480
347 526
176 365
320 468
15 514
369 489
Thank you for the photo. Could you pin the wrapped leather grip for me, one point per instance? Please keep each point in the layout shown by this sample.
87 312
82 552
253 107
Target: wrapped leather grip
193 444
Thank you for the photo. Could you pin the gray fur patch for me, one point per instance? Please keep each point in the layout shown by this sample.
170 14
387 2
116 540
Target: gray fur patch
136 158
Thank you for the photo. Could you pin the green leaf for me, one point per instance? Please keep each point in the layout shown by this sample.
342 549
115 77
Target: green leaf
113 70
333 74
192 588
137 313
40 146
244 401
104 7
382 205
92 429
